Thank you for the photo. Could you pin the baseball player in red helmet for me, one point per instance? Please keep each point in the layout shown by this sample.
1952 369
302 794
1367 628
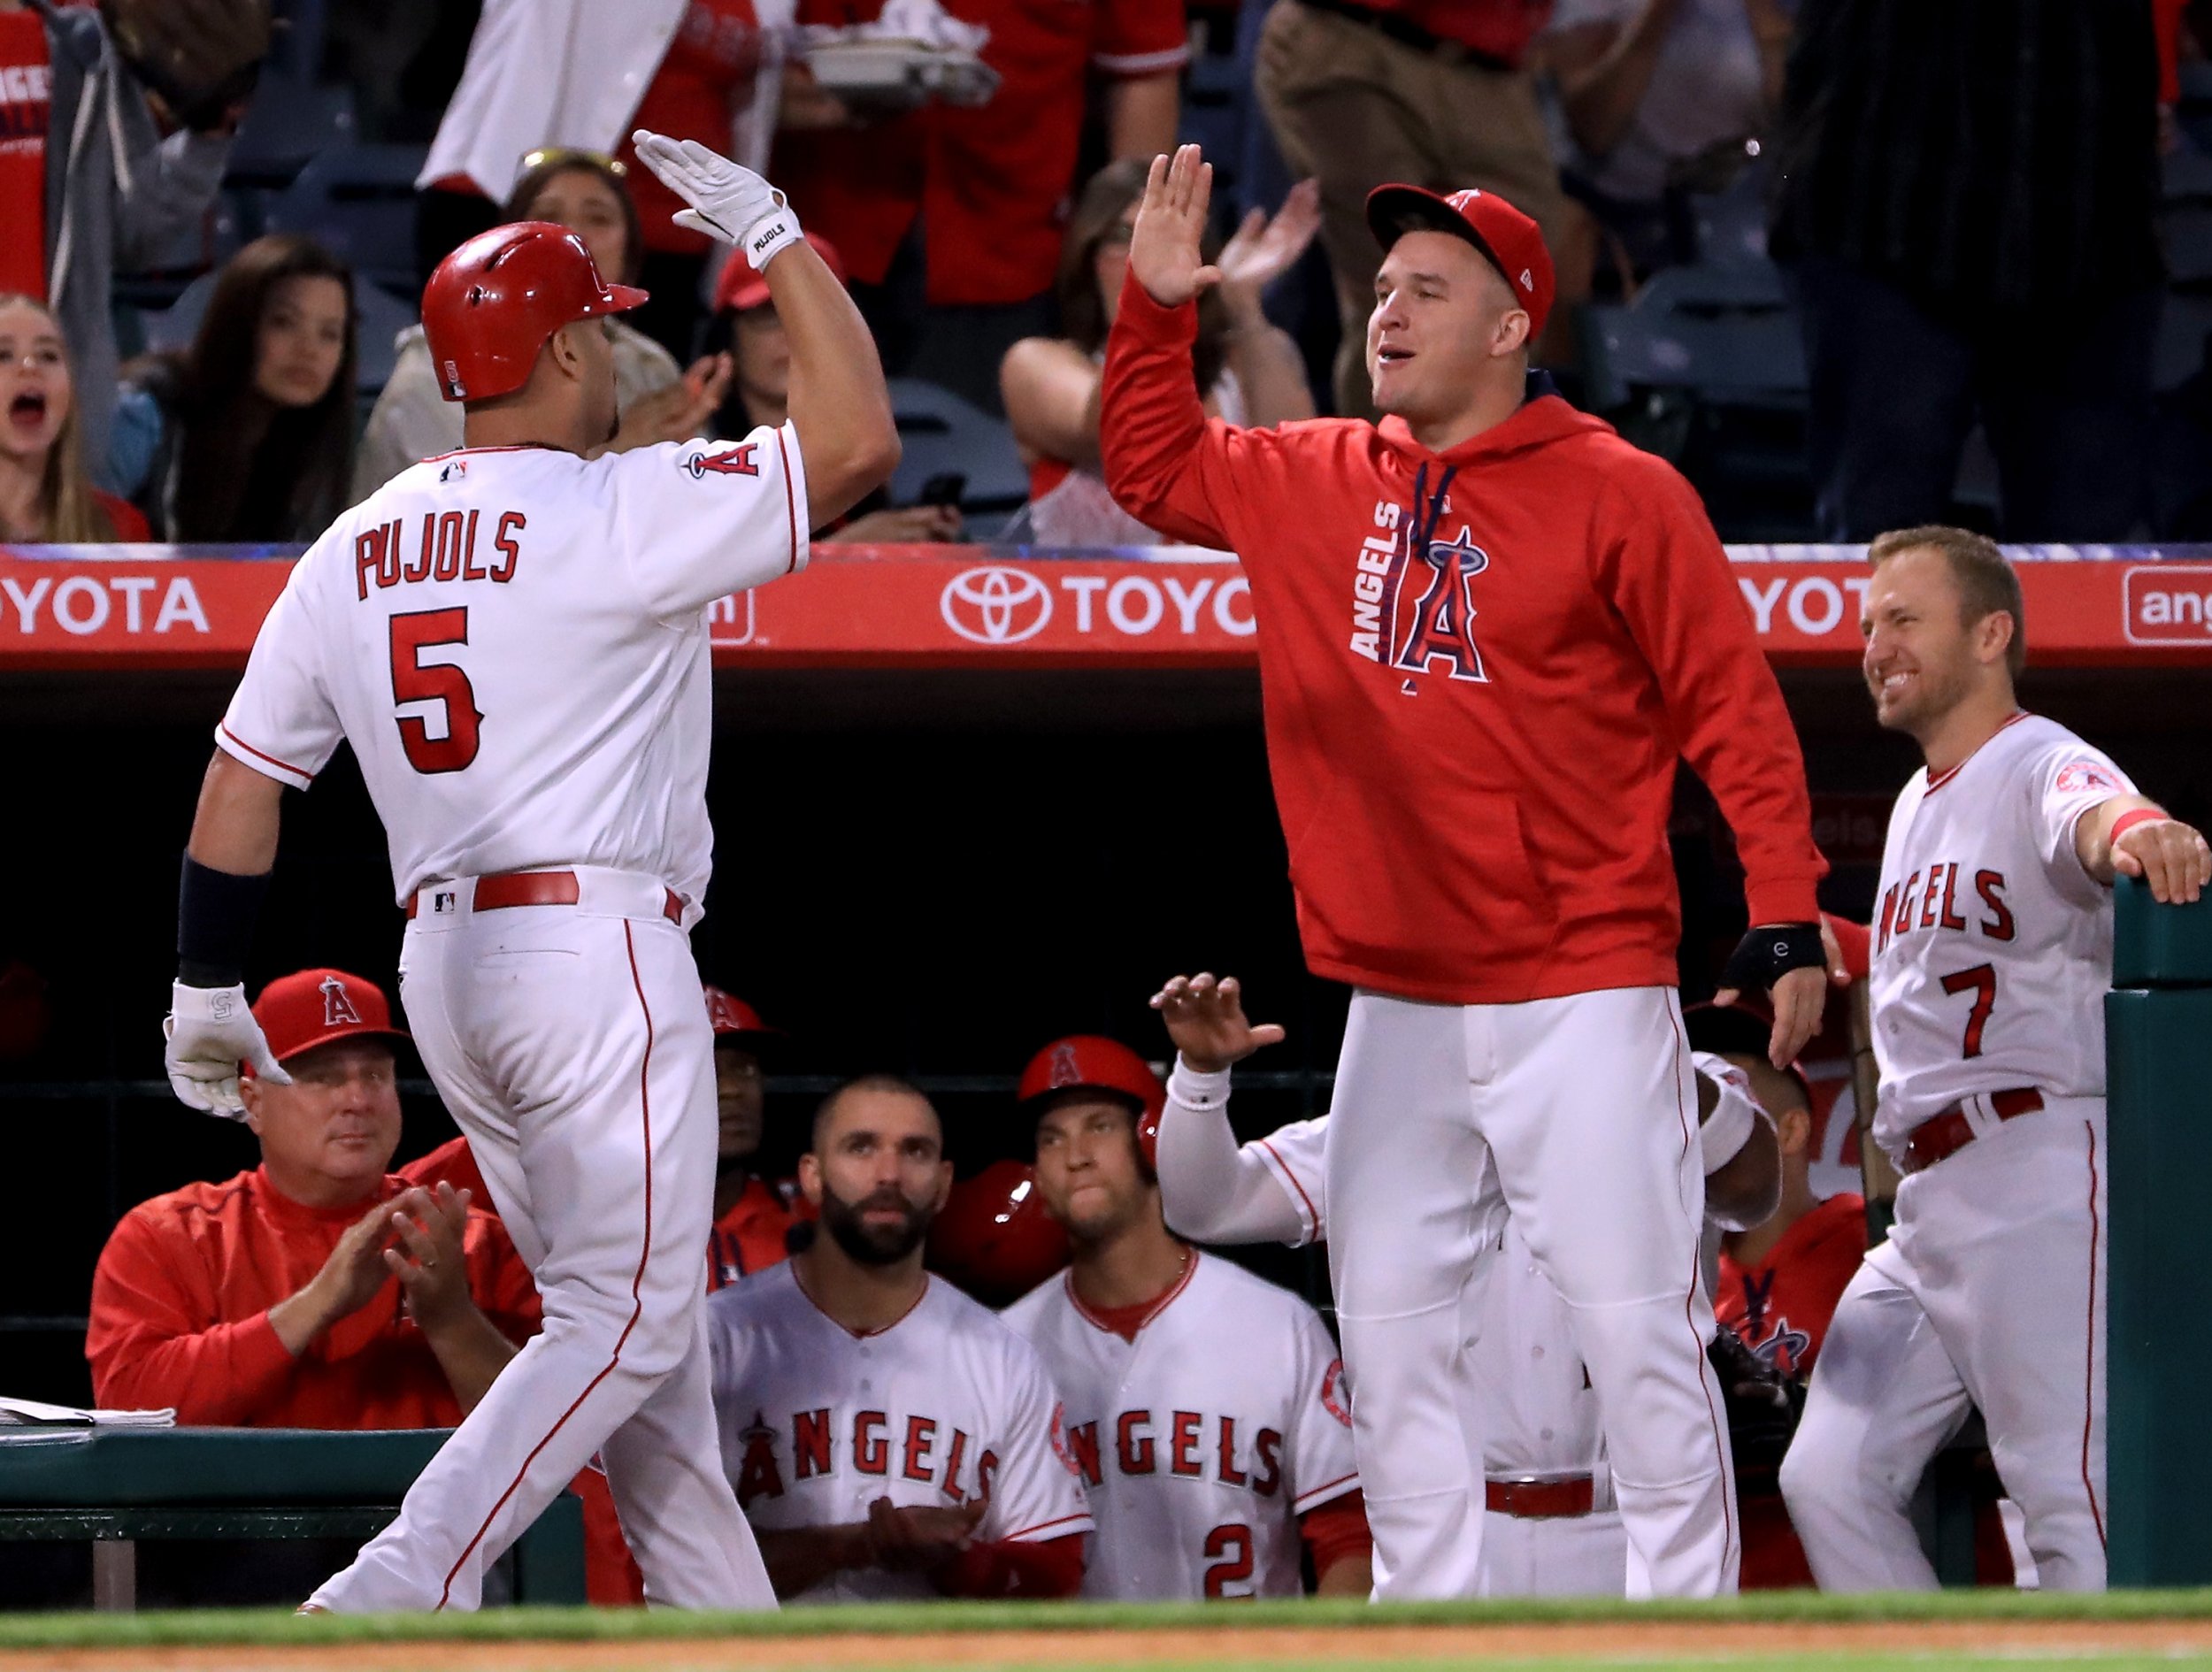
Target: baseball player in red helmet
753 1217
1488 629
1205 1408
513 640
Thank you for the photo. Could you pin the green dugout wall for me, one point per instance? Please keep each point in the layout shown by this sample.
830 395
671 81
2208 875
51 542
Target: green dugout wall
2158 1022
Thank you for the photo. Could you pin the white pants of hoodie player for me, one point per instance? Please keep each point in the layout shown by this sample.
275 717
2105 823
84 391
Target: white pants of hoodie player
570 1044
1580 1115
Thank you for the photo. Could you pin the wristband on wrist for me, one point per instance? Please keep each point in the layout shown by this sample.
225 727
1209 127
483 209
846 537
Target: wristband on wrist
216 914
2133 817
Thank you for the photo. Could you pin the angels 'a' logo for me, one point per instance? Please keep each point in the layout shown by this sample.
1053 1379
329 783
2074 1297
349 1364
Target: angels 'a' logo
1333 1398
736 462
1066 1070
337 1003
1785 1348
757 1473
1438 628
2086 775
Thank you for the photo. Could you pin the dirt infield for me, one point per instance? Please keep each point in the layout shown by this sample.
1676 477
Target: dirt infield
2178 1641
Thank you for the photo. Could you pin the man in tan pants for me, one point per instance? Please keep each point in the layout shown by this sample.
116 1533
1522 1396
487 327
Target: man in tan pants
1432 92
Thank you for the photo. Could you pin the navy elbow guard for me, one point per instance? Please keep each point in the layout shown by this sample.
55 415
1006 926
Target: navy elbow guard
216 913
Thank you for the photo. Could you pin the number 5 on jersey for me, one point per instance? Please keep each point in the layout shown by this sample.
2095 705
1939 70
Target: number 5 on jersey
415 680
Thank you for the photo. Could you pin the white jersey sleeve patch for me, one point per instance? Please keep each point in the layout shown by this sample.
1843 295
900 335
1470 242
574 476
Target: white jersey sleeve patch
1321 1464
2066 780
282 721
703 519
1036 1494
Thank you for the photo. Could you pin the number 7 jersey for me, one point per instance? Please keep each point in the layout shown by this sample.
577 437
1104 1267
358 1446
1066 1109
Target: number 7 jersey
514 642
1992 946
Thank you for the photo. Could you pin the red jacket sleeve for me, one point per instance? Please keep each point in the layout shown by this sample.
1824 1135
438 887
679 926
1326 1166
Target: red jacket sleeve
1046 1568
1661 565
1168 465
150 1344
1856 941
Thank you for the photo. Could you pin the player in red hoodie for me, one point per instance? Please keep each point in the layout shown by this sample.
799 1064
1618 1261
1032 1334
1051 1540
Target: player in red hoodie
1487 629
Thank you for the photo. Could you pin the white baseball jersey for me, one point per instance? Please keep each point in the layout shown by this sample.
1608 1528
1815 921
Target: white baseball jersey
513 640
1992 946
943 1407
1203 1441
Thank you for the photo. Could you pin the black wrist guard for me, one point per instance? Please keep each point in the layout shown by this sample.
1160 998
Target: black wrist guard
1768 953
216 913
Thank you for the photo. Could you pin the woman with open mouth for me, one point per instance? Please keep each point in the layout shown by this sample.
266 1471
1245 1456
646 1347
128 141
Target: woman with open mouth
45 497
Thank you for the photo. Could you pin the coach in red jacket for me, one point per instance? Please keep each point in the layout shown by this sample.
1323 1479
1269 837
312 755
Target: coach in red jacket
1487 628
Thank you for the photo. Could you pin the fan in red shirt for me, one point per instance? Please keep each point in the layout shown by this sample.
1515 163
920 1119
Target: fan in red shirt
989 185
26 104
1487 630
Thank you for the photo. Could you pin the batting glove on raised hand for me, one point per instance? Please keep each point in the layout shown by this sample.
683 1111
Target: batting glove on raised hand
728 201
210 1032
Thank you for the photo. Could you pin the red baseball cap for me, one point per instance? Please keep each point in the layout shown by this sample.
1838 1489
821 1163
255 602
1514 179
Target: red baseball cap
740 286
1513 243
313 1007
732 1018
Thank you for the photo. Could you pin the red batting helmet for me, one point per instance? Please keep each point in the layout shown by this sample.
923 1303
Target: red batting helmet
1090 1062
994 1238
492 304
732 1018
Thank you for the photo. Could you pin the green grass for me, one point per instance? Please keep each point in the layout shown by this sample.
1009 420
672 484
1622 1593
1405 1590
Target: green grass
220 1627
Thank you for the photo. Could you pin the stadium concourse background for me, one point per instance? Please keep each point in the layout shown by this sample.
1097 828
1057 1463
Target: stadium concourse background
928 863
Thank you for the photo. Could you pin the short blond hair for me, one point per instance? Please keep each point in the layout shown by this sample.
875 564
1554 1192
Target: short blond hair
1987 579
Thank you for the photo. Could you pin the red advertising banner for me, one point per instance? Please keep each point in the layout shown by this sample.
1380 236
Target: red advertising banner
157 607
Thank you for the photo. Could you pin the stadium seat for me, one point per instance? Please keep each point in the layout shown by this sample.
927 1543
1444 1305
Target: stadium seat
287 124
1726 333
941 434
359 201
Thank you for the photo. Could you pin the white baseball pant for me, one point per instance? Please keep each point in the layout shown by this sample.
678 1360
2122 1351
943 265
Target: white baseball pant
1990 1291
1579 1114
571 1044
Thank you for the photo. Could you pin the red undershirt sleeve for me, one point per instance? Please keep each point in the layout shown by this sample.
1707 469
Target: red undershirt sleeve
1046 1568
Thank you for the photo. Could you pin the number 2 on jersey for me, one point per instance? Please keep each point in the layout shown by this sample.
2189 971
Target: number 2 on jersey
414 680
1230 1548
1981 981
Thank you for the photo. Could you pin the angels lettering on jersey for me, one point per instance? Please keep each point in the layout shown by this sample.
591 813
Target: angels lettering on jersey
1413 609
803 1445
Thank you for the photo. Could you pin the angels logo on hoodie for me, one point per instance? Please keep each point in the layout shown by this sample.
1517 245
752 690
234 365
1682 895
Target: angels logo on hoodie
1438 626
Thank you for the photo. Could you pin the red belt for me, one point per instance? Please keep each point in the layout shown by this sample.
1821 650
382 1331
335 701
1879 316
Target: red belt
540 888
1942 1136
1540 1500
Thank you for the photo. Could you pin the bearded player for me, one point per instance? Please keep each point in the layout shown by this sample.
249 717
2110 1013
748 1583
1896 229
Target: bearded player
1487 630
1992 951
887 1436
513 640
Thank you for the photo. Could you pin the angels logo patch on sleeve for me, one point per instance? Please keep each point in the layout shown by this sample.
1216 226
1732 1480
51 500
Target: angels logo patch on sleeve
2077 776
735 461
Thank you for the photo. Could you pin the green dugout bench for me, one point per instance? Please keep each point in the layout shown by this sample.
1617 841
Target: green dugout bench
116 1486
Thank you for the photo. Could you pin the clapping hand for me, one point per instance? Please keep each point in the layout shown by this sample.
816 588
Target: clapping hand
1262 250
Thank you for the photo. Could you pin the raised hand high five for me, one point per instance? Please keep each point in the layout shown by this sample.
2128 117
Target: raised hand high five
1206 1020
1165 251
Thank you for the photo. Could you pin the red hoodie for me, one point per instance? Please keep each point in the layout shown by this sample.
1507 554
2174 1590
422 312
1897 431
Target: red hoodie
1479 668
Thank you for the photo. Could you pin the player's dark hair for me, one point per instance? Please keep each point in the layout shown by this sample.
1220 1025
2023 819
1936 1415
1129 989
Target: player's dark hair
523 201
876 1082
242 473
1986 580
1097 211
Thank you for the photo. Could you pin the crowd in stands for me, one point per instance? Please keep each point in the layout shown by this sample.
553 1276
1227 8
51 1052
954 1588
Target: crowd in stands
1963 208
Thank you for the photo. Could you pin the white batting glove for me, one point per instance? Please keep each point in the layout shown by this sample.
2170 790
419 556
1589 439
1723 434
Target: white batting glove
210 1032
728 201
